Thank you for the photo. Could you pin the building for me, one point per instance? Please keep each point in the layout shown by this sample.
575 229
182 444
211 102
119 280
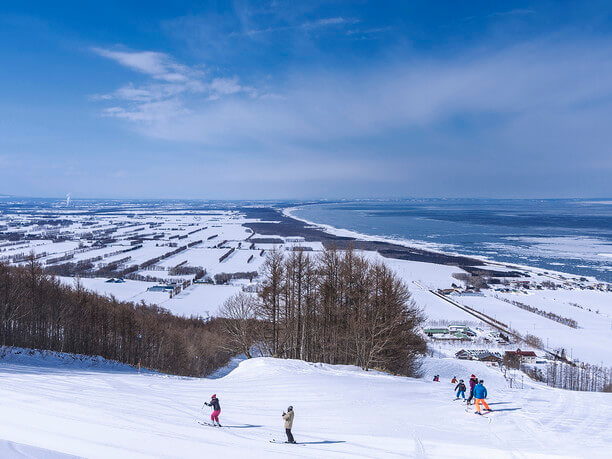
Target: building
463 355
115 280
526 357
161 288
482 355
435 331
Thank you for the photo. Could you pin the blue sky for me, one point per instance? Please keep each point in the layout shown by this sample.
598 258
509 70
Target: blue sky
306 99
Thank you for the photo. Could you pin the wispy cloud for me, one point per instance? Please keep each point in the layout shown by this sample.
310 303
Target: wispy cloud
514 12
308 25
164 96
157 65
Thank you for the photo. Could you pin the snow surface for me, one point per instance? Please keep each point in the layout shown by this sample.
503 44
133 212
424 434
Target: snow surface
197 300
9 449
125 291
591 342
341 411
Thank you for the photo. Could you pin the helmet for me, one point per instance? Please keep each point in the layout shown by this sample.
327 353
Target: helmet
461 380
481 381
290 408
213 396
473 376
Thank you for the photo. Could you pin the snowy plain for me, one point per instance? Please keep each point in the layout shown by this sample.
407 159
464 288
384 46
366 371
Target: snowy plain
578 342
219 231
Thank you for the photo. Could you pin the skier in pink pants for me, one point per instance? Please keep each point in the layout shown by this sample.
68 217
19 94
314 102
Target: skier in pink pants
214 416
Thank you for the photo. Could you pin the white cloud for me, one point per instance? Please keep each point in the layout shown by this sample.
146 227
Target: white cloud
165 96
329 22
158 65
308 25
540 105
516 82
148 112
515 12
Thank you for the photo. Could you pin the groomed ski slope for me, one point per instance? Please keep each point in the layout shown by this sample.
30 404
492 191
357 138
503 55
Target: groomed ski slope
49 409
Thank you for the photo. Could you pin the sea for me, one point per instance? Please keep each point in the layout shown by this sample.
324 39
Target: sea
566 235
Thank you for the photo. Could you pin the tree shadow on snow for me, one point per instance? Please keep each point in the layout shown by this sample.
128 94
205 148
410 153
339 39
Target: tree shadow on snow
244 426
322 442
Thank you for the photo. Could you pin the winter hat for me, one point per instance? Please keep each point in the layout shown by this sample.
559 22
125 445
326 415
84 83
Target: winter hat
461 380
481 381
473 376
214 396
290 408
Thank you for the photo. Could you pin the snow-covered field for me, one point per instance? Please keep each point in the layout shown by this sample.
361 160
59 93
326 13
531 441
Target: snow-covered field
49 410
163 230
197 300
107 238
589 343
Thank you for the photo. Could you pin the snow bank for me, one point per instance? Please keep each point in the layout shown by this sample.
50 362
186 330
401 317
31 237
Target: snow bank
18 356
9 449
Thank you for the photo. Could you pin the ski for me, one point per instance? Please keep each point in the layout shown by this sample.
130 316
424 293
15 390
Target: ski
286 443
208 424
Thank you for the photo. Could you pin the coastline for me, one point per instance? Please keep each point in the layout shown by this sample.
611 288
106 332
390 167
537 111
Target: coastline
289 212
272 221
431 247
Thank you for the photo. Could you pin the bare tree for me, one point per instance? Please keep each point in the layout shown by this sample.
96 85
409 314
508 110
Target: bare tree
241 325
339 308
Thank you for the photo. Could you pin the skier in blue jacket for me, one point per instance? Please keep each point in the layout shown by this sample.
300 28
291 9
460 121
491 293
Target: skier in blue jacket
480 393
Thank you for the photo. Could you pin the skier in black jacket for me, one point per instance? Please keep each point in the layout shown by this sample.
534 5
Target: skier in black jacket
214 416
460 388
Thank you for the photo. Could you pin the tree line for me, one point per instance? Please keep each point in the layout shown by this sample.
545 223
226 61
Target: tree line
580 376
39 312
549 315
337 307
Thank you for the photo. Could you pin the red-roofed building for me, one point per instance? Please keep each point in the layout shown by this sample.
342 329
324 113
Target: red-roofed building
525 356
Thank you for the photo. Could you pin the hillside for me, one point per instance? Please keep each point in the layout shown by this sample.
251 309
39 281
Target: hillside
101 411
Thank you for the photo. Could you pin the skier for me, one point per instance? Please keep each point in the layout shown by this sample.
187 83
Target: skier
436 378
214 416
288 417
460 388
454 380
472 382
480 393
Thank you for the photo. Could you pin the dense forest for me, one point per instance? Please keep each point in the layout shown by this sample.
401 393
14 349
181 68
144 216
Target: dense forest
39 312
337 307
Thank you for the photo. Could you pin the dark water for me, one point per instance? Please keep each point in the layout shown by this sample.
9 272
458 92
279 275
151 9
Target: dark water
573 236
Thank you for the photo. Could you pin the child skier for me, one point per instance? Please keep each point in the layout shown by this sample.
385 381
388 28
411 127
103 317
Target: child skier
472 382
454 380
288 417
480 393
214 403
460 388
